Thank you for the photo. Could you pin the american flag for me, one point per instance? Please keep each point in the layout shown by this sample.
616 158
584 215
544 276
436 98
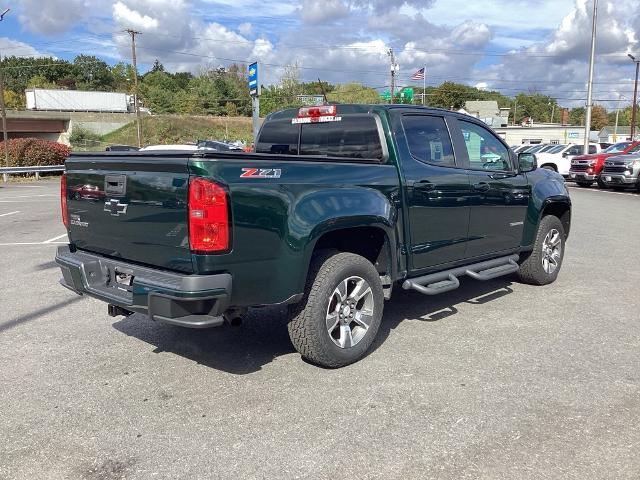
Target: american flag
419 75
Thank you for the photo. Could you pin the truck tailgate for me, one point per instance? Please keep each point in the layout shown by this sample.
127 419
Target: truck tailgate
131 206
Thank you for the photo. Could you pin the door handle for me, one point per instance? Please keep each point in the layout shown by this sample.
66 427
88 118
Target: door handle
481 187
424 185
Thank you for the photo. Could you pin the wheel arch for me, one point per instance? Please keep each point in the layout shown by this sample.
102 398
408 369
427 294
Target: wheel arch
371 238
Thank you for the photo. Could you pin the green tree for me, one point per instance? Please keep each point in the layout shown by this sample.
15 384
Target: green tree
353 93
122 77
576 116
91 73
599 118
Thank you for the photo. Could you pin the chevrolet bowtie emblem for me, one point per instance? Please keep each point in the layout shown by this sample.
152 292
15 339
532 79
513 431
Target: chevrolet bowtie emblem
115 208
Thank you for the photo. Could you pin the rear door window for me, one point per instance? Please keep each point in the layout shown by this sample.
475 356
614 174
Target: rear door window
355 136
428 139
278 137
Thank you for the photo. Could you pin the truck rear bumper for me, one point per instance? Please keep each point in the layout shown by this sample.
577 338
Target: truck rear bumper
196 301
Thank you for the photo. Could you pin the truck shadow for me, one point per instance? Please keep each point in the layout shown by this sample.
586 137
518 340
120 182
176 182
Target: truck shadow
263 335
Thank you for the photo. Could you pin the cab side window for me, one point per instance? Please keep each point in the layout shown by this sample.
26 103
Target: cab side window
428 139
485 150
592 149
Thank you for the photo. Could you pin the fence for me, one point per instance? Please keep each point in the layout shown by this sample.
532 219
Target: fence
37 170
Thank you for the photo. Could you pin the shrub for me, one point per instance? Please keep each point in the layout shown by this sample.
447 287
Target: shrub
81 137
28 152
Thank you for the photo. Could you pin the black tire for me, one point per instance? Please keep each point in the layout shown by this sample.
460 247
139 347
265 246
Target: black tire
308 319
601 184
532 270
550 167
584 184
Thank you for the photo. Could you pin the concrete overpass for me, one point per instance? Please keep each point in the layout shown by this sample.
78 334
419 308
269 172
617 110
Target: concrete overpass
57 126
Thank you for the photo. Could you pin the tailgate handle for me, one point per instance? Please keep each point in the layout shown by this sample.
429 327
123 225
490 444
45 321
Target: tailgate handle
115 184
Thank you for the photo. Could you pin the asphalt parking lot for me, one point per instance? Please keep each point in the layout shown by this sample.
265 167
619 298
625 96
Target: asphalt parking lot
496 380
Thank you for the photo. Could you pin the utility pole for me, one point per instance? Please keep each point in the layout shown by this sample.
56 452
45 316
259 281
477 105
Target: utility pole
394 70
634 109
515 110
3 110
133 34
587 121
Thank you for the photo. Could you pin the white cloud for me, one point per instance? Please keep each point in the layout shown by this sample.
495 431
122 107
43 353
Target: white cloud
125 16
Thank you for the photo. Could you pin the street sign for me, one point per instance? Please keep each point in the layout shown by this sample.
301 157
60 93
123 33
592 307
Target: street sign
254 84
574 135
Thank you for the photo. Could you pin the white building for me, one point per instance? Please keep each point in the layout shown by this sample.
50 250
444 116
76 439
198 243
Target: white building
541 133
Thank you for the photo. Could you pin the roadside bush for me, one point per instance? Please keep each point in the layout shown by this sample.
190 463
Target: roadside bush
81 137
27 152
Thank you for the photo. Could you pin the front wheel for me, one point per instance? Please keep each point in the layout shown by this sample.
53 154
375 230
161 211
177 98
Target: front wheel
337 321
601 183
584 184
543 264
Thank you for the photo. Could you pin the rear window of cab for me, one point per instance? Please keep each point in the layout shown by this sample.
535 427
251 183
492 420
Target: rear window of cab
353 137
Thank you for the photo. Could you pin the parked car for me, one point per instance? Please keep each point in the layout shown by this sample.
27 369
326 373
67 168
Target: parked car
121 148
560 160
177 147
622 171
329 216
586 169
536 148
217 146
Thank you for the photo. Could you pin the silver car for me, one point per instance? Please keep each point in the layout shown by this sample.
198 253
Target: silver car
622 171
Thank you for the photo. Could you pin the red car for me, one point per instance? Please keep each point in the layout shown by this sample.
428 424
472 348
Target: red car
586 169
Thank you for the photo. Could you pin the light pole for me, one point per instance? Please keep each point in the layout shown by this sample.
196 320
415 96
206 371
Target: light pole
553 110
3 111
635 99
615 128
587 120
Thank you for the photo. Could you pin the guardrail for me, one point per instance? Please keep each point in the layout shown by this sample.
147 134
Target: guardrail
36 169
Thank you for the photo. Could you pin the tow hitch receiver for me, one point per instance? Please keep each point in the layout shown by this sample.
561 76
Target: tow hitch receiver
116 311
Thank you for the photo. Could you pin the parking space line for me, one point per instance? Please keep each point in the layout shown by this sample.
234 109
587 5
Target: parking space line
31 243
572 187
51 240
10 213
30 196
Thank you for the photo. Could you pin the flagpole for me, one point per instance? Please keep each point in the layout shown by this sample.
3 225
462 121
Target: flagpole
424 85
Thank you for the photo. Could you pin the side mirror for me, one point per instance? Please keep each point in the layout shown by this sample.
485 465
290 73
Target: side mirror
527 162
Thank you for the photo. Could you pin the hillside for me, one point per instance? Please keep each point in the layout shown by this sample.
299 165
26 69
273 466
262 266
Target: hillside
168 129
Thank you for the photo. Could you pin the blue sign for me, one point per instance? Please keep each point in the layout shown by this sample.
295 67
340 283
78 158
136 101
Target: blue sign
254 85
574 135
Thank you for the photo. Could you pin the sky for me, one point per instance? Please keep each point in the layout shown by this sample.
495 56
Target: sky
532 46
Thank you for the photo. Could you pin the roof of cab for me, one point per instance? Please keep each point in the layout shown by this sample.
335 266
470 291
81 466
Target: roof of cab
349 108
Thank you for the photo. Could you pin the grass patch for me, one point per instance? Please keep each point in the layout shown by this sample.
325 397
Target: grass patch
170 129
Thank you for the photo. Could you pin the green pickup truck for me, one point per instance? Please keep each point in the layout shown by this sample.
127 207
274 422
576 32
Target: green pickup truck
338 206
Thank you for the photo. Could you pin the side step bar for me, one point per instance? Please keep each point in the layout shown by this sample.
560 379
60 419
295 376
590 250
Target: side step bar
447 280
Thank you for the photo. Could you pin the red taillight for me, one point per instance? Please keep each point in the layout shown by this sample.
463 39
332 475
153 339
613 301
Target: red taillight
63 200
208 217
319 111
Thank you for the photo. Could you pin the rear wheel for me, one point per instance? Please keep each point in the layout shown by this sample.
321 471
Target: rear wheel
549 167
543 264
337 321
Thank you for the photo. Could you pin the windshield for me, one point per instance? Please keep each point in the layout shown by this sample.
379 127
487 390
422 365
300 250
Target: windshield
635 149
546 149
617 147
557 149
535 149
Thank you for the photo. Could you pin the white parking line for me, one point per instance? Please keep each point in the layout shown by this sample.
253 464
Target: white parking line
51 240
30 196
10 213
31 243
573 187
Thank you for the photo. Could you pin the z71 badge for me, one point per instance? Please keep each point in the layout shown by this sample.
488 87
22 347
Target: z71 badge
261 173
